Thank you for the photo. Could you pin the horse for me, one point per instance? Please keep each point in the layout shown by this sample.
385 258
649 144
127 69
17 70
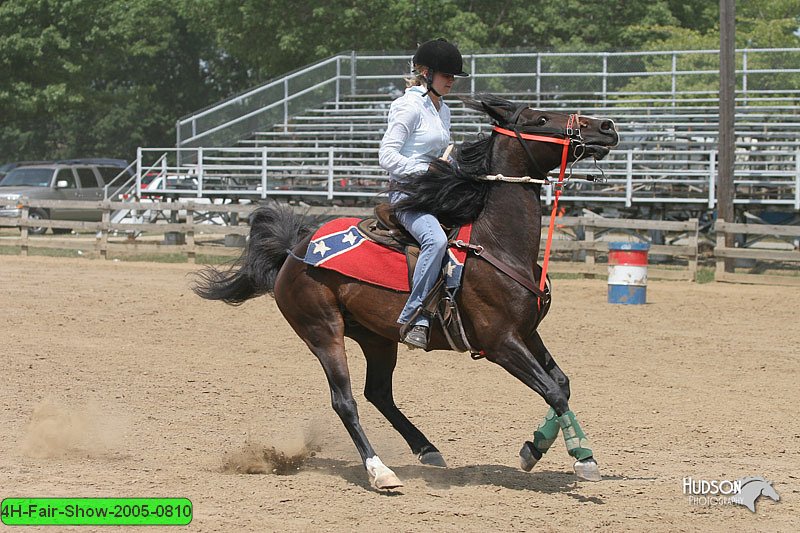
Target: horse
498 313
752 489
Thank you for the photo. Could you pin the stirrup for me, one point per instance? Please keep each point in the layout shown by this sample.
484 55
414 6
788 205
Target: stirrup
417 337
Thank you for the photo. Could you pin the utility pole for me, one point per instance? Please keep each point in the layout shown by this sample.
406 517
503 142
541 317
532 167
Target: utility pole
727 110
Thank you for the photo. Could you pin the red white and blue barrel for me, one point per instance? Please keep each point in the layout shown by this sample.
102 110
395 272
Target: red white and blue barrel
627 272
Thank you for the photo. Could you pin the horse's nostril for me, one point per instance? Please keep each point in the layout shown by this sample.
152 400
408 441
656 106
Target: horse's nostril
606 125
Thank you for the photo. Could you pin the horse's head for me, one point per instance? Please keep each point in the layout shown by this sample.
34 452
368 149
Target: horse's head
535 138
770 492
751 489
760 487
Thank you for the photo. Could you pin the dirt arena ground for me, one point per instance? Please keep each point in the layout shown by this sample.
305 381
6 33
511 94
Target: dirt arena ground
117 381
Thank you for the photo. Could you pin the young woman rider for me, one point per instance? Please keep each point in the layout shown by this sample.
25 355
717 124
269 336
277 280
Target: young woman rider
418 131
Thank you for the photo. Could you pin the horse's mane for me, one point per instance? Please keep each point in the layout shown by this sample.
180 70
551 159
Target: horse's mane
453 193
450 192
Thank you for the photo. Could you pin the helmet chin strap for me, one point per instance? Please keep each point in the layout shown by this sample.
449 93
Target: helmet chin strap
429 83
431 90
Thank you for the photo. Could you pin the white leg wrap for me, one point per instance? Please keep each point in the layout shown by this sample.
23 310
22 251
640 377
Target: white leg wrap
381 476
375 467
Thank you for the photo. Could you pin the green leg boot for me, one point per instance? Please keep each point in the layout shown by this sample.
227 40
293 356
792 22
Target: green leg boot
579 447
544 437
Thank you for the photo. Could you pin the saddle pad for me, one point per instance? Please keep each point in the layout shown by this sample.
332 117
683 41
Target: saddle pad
339 245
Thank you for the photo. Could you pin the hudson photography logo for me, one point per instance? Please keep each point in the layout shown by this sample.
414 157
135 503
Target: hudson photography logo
744 491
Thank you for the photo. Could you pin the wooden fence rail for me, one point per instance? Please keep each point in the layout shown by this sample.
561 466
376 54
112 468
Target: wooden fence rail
721 252
105 227
592 227
580 238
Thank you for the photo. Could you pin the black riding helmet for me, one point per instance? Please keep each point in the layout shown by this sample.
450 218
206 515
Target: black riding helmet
440 56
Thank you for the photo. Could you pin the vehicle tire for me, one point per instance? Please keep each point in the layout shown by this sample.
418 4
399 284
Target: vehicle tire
37 214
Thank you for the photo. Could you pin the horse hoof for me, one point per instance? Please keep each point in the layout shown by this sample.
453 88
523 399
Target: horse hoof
386 481
381 476
528 456
432 459
587 470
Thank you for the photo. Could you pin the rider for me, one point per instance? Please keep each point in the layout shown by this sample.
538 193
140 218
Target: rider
418 132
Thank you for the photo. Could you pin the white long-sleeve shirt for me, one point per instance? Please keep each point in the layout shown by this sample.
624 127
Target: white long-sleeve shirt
416 134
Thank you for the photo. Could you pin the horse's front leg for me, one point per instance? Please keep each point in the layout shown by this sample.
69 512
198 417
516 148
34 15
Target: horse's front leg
544 437
547 432
519 361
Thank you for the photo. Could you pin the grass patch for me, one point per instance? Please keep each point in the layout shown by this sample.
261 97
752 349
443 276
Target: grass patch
46 252
150 258
9 250
172 258
201 259
705 275
571 275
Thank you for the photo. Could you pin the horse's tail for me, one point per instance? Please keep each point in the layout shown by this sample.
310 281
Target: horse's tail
274 230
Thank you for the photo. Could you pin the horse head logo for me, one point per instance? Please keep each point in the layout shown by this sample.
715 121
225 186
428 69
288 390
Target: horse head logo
752 488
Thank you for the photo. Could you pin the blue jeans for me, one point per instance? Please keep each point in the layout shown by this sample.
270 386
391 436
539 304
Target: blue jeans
433 247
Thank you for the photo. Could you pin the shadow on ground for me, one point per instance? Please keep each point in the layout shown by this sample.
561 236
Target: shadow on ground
544 481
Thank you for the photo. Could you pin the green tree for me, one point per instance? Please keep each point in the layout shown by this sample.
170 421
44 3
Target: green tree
759 24
89 78
82 78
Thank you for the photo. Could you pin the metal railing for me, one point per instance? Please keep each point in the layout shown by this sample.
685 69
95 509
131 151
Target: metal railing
545 77
121 183
273 102
328 174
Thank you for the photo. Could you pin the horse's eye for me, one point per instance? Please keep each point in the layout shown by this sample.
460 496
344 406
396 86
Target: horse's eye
541 121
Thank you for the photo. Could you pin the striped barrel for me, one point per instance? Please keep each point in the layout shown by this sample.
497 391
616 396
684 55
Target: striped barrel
627 272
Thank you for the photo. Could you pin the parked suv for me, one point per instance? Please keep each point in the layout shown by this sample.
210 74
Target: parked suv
8 167
55 181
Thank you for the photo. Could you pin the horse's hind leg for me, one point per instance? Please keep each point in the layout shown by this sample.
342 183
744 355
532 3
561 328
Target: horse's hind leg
323 332
334 362
381 355
547 432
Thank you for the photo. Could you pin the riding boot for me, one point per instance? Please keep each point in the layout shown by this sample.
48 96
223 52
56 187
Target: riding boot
417 337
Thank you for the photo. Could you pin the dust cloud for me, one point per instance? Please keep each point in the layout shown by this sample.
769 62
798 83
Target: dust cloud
282 458
56 430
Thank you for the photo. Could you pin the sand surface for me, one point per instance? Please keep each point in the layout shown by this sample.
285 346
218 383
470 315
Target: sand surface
117 381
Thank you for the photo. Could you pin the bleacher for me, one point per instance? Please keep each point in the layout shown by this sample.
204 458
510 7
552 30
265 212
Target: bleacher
671 146
324 124
361 121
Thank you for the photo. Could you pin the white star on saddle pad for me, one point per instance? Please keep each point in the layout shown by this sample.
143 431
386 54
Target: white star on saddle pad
350 238
321 249
449 269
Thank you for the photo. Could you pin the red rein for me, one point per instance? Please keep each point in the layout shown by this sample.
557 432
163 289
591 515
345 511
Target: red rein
573 124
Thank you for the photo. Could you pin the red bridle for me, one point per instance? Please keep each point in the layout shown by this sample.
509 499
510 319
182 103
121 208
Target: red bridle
572 133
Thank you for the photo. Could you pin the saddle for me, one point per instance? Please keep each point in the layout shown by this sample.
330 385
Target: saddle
384 229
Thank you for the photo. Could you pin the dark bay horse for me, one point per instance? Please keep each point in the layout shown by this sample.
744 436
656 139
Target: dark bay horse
500 316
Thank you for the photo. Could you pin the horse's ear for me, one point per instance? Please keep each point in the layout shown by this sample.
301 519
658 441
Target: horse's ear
499 114
498 109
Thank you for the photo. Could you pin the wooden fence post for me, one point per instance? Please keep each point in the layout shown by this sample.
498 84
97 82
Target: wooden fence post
590 257
191 251
694 242
719 227
23 227
104 229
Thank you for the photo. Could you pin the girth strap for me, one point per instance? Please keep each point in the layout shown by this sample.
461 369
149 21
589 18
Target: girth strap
509 271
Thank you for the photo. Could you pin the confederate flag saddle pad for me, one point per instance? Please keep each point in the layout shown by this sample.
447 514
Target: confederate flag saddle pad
341 246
